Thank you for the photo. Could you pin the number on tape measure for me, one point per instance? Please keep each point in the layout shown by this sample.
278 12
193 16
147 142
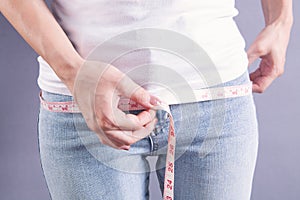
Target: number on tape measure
126 104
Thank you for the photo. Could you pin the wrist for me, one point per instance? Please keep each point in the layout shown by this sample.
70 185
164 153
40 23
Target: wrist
69 72
66 68
285 22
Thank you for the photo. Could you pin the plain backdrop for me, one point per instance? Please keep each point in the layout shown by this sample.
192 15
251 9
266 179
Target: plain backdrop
277 175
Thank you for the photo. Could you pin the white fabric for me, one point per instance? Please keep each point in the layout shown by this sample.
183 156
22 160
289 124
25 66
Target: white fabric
210 23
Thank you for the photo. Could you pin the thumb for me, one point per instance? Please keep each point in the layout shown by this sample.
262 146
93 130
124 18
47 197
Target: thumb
253 54
144 98
128 88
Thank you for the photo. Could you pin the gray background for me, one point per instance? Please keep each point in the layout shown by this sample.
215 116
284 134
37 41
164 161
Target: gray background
277 174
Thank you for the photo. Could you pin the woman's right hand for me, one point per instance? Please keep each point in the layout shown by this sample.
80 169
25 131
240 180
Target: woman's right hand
97 89
98 86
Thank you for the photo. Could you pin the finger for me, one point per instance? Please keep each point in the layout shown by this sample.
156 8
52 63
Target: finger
126 122
260 82
146 116
131 122
127 138
112 143
122 138
146 130
110 117
131 90
118 144
252 54
257 73
144 98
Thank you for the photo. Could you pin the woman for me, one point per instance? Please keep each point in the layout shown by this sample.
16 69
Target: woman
64 41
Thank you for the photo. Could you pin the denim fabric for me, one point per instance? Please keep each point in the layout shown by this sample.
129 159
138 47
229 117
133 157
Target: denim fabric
215 154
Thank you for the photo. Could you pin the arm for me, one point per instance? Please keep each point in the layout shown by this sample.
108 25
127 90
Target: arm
33 20
271 44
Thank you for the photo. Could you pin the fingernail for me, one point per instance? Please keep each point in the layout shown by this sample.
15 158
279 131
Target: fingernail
155 101
126 148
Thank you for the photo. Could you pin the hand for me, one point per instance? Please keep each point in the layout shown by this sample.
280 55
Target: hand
270 45
97 90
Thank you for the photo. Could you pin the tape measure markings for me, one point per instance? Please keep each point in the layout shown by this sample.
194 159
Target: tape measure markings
126 104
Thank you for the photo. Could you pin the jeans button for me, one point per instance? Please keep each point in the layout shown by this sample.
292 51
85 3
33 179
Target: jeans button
166 116
152 133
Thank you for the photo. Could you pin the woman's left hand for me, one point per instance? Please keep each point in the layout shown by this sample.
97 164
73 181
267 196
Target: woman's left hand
271 46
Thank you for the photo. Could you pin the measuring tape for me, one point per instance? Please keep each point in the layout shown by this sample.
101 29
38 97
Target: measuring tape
126 104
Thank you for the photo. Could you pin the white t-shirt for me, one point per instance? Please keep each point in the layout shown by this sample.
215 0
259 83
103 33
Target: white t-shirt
209 23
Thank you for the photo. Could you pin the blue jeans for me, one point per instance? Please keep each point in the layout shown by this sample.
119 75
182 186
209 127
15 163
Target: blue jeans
216 146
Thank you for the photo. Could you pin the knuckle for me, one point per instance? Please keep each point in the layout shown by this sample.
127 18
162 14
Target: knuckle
260 49
134 122
131 141
280 72
128 142
260 90
106 124
108 134
141 95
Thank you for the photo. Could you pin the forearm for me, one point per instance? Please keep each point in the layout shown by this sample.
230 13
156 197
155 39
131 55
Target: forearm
33 20
271 43
278 12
